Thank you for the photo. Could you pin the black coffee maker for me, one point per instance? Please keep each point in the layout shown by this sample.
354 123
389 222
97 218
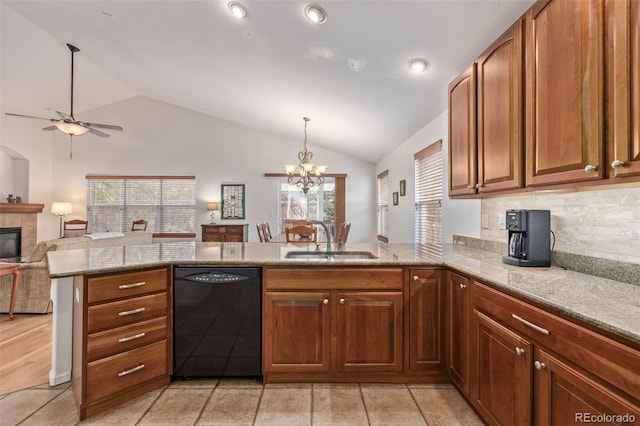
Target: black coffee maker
529 238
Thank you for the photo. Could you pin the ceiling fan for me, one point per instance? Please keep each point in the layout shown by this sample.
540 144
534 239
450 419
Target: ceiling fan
67 123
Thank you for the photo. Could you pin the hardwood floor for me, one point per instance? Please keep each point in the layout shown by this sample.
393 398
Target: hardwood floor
25 351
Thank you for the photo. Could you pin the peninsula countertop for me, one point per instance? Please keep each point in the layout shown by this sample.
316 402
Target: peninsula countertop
610 305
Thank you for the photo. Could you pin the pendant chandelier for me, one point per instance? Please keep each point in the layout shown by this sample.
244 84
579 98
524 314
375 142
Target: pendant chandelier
306 174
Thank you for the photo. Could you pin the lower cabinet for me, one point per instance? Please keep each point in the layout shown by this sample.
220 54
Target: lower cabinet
457 329
532 367
299 328
353 324
122 341
501 390
426 320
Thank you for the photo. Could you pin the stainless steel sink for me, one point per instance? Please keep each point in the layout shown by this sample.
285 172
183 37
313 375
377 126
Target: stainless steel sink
330 255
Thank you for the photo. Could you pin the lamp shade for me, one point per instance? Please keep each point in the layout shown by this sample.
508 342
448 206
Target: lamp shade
213 206
61 208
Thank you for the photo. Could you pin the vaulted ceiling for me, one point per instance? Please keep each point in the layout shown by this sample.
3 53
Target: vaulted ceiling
350 75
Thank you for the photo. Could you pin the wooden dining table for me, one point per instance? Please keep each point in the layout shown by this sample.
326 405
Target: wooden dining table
6 269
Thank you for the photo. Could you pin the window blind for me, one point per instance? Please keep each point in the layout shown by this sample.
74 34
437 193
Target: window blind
167 203
383 206
428 198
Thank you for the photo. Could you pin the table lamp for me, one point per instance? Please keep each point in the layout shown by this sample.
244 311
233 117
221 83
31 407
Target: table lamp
212 207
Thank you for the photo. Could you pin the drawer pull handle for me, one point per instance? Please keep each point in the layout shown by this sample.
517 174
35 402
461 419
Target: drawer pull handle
133 370
132 285
126 339
531 325
131 312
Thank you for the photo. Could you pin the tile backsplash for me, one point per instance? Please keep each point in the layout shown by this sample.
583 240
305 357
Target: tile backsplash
601 223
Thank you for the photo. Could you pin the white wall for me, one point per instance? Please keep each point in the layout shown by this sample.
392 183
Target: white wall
460 217
162 139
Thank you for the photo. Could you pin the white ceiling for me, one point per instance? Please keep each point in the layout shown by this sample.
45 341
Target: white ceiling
349 75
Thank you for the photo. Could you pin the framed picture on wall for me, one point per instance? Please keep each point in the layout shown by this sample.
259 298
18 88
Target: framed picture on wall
395 198
403 188
232 201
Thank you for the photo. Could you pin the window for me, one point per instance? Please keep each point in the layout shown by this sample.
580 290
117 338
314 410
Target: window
428 205
166 202
317 204
383 206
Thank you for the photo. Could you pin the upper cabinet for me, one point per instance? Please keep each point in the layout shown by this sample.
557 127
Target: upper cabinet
564 95
553 102
500 104
623 87
462 133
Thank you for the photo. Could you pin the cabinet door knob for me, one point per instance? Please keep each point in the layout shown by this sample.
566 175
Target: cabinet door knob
478 186
470 187
590 168
325 301
342 301
616 164
416 278
519 351
539 365
462 286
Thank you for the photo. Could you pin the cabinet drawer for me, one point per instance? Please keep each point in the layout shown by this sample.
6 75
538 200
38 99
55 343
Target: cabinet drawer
110 375
125 338
333 279
612 361
126 285
114 314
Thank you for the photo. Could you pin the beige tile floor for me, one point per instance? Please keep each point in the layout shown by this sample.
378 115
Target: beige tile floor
246 402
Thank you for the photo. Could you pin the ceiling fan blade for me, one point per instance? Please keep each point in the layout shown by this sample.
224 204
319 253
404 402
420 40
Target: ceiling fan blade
31 116
97 132
49 128
64 115
101 126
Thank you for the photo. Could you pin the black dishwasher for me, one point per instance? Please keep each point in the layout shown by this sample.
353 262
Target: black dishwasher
217 321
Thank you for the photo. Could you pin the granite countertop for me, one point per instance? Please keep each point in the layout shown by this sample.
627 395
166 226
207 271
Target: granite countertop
610 305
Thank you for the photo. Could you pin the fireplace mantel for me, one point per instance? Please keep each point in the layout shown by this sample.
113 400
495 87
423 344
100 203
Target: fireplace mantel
21 208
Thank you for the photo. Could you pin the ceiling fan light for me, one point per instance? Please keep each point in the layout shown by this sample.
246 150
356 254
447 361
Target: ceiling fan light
237 9
315 14
71 128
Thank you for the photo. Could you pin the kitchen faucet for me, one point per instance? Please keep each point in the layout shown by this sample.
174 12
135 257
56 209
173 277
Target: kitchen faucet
326 232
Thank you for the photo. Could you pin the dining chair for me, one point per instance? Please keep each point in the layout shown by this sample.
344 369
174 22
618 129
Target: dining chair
260 230
139 225
343 232
75 228
267 231
301 233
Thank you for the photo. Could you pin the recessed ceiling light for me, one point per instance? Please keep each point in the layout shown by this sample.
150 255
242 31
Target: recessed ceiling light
315 14
418 65
237 9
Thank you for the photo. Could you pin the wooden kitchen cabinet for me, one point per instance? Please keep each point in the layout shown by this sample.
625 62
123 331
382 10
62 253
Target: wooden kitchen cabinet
463 134
623 87
369 331
530 366
122 340
564 108
332 323
225 233
426 319
503 375
297 332
565 396
457 329
500 113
